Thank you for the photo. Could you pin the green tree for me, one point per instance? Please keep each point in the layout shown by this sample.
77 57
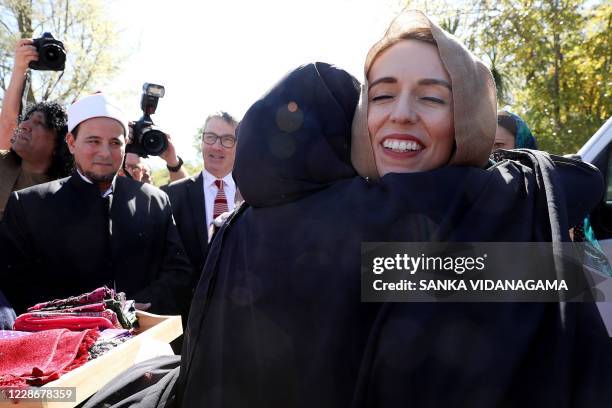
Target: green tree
557 53
467 20
89 36
197 143
550 59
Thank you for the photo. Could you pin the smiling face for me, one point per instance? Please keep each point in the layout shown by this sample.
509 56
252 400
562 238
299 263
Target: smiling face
410 109
98 148
218 159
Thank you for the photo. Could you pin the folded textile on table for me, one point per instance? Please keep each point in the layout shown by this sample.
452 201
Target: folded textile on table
108 340
37 359
95 296
42 320
101 308
110 334
91 307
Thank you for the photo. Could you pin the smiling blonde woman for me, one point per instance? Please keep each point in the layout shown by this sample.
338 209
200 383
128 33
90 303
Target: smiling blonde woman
278 319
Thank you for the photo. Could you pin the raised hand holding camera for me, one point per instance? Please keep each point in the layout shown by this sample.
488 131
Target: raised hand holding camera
146 138
51 54
25 53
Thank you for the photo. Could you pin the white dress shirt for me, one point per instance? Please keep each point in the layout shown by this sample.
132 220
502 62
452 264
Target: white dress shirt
210 193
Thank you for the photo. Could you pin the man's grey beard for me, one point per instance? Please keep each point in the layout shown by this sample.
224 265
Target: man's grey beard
97 178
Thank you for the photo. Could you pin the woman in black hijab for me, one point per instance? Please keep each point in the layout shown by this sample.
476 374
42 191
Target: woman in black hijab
277 319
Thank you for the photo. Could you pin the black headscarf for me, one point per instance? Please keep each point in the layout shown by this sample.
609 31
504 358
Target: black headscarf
293 140
277 319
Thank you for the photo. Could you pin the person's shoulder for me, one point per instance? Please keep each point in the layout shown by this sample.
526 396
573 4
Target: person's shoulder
181 184
138 187
576 165
127 188
41 191
45 188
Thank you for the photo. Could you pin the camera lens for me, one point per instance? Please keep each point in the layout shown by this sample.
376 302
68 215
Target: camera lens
51 53
154 142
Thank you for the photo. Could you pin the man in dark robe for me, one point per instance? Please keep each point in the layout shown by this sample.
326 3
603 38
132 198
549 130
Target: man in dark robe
277 319
72 235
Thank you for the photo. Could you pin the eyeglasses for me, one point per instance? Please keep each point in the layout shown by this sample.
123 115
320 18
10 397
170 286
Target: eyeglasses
133 167
226 140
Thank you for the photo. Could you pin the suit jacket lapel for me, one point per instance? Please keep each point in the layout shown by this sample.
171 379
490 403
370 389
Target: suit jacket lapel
198 213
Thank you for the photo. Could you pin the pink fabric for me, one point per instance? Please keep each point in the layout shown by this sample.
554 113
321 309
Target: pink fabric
39 358
38 321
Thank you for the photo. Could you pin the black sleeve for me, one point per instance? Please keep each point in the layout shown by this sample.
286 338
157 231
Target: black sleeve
572 186
583 187
17 259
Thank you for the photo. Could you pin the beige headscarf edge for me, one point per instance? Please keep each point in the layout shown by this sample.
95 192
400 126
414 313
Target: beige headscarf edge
474 98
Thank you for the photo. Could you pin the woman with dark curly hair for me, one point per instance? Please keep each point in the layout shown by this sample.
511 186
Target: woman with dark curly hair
38 150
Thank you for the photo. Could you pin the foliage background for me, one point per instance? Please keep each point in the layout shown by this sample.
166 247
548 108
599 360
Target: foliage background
89 36
551 60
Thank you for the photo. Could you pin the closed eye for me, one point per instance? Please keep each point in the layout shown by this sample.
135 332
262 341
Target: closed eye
434 99
381 98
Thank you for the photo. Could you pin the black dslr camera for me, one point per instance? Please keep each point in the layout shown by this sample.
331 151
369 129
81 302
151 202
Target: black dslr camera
146 138
51 54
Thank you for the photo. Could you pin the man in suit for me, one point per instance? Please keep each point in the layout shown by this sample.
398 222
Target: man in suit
198 200
93 228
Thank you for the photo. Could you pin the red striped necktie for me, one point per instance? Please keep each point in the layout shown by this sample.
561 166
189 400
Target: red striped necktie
220 200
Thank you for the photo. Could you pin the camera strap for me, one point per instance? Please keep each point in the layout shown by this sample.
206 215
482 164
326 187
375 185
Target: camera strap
24 94
48 93
26 86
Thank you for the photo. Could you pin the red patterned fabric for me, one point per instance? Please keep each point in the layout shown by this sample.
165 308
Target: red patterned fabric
95 296
94 307
38 321
39 358
220 200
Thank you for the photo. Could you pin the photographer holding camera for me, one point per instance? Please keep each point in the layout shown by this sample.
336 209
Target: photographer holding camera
43 54
145 139
134 164
32 151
